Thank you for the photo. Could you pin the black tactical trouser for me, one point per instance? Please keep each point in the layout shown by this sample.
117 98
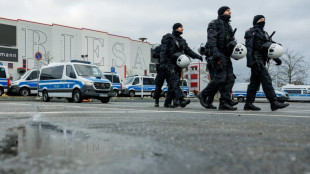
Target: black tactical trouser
222 81
260 76
211 72
162 75
174 90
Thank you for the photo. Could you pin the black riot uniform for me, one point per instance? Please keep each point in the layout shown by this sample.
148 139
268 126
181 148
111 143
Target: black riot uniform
171 44
254 39
220 34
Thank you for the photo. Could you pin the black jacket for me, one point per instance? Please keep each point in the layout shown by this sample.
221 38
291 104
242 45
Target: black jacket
254 39
174 43
220 34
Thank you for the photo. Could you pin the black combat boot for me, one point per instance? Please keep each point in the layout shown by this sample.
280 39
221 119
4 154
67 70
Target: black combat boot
231 102
156 102
203 100
184 102
210 105
249 106
277 105
175 103
168 105
225 106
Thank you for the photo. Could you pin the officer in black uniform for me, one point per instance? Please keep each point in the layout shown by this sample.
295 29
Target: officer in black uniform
220 34
254 39
172 44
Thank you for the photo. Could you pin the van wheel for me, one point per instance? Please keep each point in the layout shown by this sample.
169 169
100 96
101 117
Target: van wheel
24 92
1 91
185 94
77 96
132 93
46 98
240 99
105 100
70 100
115 93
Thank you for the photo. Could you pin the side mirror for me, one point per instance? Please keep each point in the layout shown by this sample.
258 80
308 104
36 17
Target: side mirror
72 75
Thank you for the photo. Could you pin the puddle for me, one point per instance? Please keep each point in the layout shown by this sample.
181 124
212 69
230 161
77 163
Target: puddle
44 148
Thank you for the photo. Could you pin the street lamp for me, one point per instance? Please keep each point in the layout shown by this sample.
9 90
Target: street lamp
143 39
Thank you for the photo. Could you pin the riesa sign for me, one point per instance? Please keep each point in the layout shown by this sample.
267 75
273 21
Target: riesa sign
8 54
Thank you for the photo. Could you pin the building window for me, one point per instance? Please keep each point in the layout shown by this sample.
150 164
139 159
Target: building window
24 63
10 65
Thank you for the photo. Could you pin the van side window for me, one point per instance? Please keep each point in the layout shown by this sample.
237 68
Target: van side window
52 73
70 71
293 91
33 75
148 81
136 81
2 73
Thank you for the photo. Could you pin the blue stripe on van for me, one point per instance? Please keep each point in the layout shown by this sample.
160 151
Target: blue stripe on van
4 81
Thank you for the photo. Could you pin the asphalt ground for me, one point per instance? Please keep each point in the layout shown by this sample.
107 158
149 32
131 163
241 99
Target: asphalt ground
135 137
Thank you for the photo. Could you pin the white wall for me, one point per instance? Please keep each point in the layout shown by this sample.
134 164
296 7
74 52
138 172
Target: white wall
65 43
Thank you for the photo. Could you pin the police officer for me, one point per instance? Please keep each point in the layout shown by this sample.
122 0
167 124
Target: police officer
162 75
172 45
220 34
254 39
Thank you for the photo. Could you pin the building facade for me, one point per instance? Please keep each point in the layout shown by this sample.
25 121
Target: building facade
20 40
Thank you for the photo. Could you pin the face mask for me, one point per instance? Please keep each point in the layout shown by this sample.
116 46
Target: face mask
261 24
226 17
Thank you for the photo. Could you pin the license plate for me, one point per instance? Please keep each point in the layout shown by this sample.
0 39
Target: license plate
103 95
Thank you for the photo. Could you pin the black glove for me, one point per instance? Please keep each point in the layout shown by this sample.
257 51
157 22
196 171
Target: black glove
278 61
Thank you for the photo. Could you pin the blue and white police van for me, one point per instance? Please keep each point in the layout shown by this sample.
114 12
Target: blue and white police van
27 84
117 85
75 80
183 87
4 79
297 92
139 85
239 92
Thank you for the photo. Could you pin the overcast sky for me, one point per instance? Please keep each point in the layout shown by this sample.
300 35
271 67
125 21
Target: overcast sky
152 19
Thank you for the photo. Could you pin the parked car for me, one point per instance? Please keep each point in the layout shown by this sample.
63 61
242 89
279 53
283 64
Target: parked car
117 85
4 79
27 84
297 92
239 92
75 80
139 85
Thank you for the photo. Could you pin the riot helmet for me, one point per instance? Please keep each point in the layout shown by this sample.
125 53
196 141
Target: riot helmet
182 60
236 50
272 50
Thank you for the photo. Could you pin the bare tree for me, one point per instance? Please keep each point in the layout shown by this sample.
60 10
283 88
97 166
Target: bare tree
292 71
47 58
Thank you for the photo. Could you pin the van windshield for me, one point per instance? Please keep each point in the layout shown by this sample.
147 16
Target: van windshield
2 73
24 75
128 81
88 70
112 78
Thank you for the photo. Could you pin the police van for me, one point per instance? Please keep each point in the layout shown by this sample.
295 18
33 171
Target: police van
27 84
75 80
117 85
297 92
138 85
239 92
182 86
4 80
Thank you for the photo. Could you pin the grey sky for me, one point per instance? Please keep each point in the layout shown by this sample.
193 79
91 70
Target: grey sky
152 19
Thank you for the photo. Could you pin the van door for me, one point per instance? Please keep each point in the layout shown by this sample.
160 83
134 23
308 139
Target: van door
32 81
70 81
136 85
148 85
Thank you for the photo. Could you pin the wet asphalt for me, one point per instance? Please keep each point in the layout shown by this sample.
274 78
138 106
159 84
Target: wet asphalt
135 137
